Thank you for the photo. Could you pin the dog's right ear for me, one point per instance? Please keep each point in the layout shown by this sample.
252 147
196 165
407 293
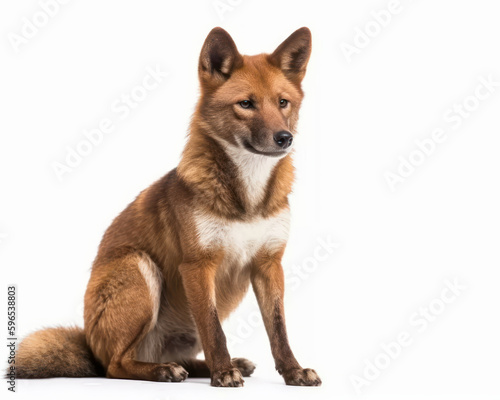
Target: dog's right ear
219 57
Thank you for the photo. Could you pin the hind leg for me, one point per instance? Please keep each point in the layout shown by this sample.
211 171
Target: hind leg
121 307
199 368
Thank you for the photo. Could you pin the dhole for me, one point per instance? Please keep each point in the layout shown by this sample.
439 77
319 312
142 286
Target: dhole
179 259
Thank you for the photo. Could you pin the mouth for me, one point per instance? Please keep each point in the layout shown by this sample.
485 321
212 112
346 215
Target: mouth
252 149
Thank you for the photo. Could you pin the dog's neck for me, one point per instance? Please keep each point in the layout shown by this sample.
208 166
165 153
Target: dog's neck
254 172
232 182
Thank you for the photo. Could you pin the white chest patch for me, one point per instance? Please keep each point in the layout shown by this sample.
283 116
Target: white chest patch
242 240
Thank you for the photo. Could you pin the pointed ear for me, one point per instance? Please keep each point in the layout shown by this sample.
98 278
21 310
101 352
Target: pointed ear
219 57
293 54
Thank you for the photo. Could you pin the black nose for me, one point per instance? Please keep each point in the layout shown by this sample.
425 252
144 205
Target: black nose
284 139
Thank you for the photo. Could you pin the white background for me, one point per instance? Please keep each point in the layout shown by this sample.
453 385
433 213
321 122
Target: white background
395 248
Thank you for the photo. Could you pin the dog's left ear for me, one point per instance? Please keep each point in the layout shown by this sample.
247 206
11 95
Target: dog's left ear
219 58
293 54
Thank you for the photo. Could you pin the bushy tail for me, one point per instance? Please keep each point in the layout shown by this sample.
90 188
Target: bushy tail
56 352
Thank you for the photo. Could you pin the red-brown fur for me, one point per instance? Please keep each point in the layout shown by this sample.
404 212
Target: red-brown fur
158 292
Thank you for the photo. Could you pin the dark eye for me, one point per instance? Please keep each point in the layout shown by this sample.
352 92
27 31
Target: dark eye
246 104
283 103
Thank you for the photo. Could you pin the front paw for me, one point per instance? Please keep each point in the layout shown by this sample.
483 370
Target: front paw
301 377
227 378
